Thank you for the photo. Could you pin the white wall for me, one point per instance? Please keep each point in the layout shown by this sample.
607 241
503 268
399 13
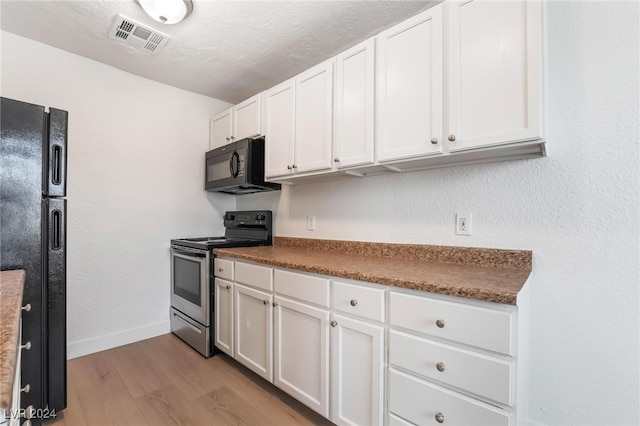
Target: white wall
577 209
136 177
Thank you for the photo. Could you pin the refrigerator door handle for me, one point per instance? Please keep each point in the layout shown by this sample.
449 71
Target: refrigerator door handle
56 239
56 153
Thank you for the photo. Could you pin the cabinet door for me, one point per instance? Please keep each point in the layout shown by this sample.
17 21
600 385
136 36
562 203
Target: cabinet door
223 314
301 353
221 129
356 372
494 72
355 83
314 118
253 330
247 121
280 129
409 87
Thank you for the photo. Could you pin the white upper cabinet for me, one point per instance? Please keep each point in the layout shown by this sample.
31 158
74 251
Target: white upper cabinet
242 121
354 116
494 72
280 116
409 87
221 129
314 118
247 121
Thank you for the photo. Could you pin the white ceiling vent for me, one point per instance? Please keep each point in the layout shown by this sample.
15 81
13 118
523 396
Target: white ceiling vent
133 34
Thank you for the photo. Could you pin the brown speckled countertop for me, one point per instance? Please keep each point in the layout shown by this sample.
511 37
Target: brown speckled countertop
493 275
11 288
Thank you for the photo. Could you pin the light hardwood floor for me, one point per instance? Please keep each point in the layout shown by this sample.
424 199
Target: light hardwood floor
162 381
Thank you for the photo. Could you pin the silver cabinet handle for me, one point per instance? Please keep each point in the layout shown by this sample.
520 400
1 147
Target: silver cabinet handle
27 307
288 167
294 166
440 417
265 302
26 346
228 138
29 412
334 323
440 366
275 304
27 423
228 287
220 269
233 137
452 137
353 302
434 141
26 389
440 323
336 160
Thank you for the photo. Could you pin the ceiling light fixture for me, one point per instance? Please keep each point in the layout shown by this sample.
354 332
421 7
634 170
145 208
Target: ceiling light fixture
167 11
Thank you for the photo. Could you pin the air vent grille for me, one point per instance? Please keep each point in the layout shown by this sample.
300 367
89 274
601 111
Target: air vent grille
131 33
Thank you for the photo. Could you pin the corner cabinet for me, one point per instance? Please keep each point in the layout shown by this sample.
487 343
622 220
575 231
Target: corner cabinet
242 121
409 97
494 72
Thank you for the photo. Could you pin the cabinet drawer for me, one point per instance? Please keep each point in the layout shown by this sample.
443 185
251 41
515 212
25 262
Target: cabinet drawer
303 287
421 402
254 275
483 375
482 327
358 300
223 268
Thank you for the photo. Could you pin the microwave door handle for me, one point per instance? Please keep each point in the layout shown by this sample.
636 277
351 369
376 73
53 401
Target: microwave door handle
234 164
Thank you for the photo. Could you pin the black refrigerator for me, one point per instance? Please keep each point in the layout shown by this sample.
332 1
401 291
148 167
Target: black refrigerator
33 221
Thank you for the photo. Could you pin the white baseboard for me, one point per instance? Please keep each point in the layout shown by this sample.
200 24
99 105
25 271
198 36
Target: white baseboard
113 340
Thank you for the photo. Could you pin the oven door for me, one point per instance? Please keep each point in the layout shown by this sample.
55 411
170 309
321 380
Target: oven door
190 280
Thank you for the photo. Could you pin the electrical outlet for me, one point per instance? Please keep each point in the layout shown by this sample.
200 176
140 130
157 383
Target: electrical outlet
311 223
463 223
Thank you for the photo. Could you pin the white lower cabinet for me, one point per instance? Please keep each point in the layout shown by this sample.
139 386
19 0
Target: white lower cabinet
357 366
253 330
301 352
450 362
223 311
367 354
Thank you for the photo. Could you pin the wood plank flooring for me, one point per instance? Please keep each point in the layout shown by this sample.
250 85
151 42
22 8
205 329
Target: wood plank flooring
162 381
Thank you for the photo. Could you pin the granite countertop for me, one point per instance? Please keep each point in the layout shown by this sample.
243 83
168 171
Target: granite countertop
11 288
493 275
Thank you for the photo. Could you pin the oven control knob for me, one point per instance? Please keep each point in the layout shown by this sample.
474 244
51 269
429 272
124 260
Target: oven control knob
229 216
260 217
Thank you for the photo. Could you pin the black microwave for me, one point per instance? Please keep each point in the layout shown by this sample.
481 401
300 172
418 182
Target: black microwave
237 168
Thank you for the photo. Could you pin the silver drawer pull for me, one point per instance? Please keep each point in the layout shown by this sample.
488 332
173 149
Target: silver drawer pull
26 346
27 307
353 302
434 141
439 417
452 137
275 304
220 269
26 423
29 412
265 302
228 287
26 389
334 323
440 323
440 366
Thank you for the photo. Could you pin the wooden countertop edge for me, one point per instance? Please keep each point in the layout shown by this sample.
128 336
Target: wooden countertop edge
501 296
12 289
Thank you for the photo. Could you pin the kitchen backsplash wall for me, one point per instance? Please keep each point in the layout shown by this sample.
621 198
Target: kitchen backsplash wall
577 210
136 180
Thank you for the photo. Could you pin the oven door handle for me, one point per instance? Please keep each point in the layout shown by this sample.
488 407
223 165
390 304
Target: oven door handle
193 327
187 253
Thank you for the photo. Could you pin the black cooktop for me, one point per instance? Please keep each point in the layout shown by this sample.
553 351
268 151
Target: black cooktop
242 229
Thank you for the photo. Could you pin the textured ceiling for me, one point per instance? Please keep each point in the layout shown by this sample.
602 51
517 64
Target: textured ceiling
228 50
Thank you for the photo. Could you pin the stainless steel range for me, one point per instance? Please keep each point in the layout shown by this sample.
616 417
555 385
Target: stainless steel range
192 274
